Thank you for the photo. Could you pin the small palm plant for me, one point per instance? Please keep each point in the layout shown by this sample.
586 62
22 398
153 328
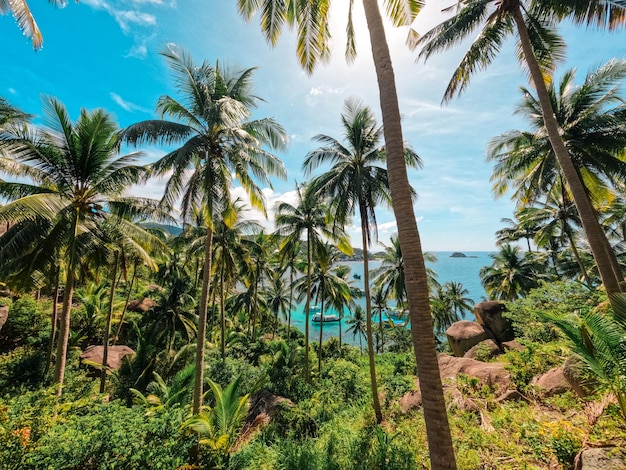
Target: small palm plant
598 338
219 425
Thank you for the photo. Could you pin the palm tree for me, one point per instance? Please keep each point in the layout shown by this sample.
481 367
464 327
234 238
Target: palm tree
218 141
358 325
279 298
591 118
511 273
379 306
514 231
457 295
308 219
25 19
342 271
539 45
288 257
357 181
75 201
311 20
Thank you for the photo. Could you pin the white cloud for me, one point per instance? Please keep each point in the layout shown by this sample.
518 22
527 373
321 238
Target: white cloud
126 105
139 51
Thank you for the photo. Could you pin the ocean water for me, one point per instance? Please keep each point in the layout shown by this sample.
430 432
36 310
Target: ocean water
463 270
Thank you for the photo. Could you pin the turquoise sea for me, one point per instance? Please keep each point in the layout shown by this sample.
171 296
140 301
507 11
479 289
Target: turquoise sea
463 270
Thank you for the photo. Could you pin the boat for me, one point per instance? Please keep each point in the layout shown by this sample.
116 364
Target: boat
317 315
356 276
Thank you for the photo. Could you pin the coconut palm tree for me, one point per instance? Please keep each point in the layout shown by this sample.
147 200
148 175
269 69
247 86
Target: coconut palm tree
311 20
75 202
278 298
219 143
457 295
288 258
358 325
591 118
540 46
308 219
511 273
356 182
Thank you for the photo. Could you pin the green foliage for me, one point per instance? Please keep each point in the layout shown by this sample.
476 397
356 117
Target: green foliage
555 298
20 368
534 359
26 324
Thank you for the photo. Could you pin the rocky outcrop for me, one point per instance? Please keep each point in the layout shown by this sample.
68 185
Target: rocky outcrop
464 335
489 315
141 305
575 376
512 346
486 349
601 459
4 314
93 356
552 382
489 373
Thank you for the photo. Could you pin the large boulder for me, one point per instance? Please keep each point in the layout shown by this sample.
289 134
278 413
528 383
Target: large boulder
552 382
489 315
574 373
487 349
464 335
601 459
141 305
489 373
93 356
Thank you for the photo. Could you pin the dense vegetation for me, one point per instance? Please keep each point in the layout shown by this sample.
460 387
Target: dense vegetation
217 376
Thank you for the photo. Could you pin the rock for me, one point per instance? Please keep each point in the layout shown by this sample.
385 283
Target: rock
4 314
263 408
489 373
511 395
601 459
411 399
93 356
141 306
463 335
552 382
575 376
458 254
489 315
512 345
487 349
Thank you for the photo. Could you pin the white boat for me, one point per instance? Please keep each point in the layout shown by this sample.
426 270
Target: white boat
327 317
317 315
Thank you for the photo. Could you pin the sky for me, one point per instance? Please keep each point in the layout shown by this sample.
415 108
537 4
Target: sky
105 54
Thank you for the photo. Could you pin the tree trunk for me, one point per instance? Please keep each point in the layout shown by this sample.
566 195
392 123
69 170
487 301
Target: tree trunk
435 415
222 314
64 326
290 305
595 235
368 316
53 320
126 302
107 329
319 354
307 308
202 320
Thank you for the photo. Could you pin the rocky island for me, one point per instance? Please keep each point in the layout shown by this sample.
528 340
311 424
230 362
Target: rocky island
458 254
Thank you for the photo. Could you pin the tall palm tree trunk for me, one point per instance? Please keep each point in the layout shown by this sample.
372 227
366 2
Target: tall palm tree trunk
319 354
107 329
222 314
126 302
290 305
202 320
368 318
307 308
595 235
437 427
64 325
53 320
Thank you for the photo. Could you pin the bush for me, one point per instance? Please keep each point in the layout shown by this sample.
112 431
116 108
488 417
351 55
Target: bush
25 325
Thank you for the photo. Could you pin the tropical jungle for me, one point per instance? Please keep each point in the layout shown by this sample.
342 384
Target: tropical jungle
159 334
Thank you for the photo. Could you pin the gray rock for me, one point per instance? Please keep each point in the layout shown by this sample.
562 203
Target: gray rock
552 382
464 335
601 459
489 315
489 373
489 347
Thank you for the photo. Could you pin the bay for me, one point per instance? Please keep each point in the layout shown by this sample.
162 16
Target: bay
458 269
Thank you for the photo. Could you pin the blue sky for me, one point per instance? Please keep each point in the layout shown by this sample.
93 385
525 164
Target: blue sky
105 54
